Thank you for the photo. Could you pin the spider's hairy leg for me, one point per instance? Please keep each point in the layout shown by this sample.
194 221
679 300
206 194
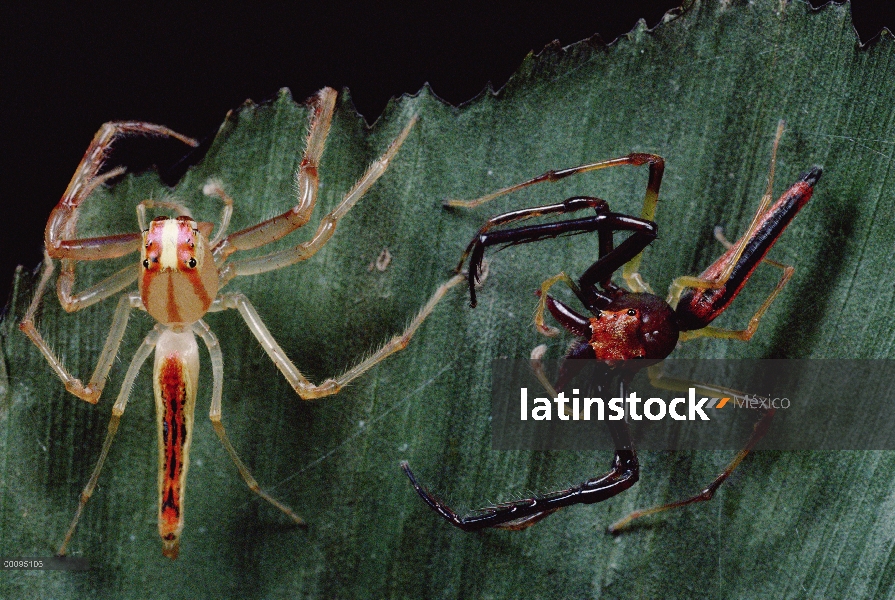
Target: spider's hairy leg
399 342
624 472
73 301
327 227
656 163
59 237
306 183
133 370
91 392
201 329
304 388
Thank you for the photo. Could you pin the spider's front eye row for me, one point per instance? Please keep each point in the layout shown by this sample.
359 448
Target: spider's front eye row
632 312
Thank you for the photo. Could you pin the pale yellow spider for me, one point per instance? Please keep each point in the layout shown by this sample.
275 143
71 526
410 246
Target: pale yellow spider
179 275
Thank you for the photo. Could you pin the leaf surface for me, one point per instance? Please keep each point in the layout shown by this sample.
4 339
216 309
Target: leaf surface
705 90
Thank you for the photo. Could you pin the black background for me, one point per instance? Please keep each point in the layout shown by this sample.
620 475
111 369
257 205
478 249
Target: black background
65 71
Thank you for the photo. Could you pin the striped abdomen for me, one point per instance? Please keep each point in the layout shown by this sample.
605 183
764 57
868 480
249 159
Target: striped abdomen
175 375
699 307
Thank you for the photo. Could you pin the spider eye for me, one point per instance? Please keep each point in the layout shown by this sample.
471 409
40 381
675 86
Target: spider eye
146 263
632 312
191 263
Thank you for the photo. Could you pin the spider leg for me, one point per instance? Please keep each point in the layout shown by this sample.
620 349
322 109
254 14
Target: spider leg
60 233
304 388
543 297
656 168
662 381
201 329
723 272
571 320
60 239
571 205
133 370
624 473
73 301
743 334
648 213
91 392
327 227
580 355
111 285
643 233
306 181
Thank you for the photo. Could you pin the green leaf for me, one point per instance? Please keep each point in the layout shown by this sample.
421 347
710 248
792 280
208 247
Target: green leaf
705 90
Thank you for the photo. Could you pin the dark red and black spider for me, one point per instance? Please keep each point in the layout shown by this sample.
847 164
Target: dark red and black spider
648 326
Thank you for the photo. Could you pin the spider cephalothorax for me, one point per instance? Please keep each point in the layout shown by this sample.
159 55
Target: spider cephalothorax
631 326
179 280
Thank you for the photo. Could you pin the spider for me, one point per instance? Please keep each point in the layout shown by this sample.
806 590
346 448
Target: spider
628 330
179 274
